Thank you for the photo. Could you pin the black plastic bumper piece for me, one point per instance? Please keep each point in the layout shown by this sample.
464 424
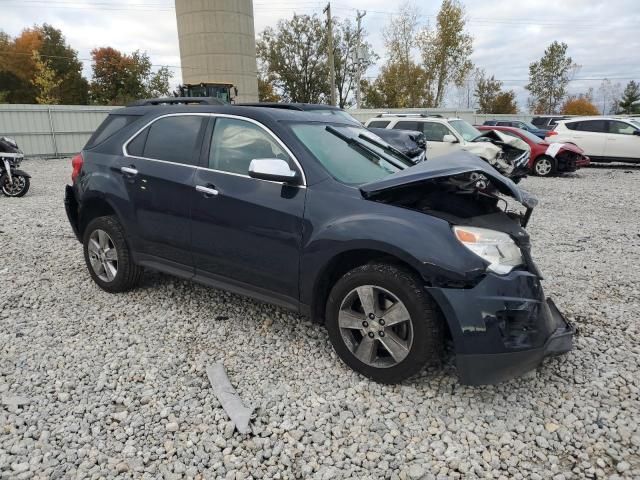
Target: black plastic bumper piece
490 368
71 207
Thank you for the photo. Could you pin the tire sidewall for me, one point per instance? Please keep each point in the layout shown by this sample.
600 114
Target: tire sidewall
109 225
417 306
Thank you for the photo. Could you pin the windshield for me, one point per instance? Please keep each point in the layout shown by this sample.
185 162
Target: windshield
465 129
635 122
530 125
337 113
524 133
351 154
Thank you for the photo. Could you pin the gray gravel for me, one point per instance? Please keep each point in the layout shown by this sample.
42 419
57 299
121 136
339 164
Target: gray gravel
94 385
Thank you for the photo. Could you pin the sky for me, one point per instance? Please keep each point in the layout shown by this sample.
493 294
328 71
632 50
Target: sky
603 35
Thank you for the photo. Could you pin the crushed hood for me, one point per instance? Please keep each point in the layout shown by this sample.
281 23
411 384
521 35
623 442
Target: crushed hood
502 138
451 165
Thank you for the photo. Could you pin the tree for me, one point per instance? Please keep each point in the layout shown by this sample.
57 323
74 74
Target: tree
46 81
294 56
346 43
465 93
119 78
491 97
609 96
18 66
266 91
397 86
446 50
549 77
579 106
630 98
401 81
73 88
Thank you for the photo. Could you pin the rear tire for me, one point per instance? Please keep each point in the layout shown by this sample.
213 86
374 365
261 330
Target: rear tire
108 257
379 345
544 166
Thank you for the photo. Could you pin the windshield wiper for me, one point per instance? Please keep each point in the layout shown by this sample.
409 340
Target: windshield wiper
368 152
389 149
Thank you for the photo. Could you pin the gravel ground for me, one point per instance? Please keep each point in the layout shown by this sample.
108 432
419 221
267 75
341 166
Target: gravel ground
102 386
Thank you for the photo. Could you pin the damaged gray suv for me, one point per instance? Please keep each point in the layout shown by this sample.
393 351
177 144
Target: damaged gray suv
399 261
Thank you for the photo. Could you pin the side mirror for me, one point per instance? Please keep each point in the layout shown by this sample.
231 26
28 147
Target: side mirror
636 132
273 169
449 139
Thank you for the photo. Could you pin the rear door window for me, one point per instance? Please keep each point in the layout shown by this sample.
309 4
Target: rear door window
171 139
407 125
539 122
379 124
596 126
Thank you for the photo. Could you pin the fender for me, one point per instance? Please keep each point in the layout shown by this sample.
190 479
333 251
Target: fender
20 173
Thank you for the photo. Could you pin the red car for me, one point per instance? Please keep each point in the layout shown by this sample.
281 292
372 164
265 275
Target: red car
546 158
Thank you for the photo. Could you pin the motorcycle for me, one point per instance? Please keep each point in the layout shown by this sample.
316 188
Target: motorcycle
13 181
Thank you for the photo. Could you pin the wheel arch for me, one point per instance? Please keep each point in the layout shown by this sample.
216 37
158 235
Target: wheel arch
342 263
91 208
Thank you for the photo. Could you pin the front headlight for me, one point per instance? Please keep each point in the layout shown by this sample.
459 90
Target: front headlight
497 248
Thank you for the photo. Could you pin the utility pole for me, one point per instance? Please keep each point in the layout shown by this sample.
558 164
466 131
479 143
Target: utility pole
359 58
332 65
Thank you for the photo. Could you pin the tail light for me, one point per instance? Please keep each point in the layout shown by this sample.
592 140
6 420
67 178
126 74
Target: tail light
76 163
551 133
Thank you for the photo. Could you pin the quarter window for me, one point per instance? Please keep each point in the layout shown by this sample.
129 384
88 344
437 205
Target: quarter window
379 124
172 139
236 142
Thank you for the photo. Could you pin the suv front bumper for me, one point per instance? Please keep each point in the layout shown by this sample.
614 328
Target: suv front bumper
503 327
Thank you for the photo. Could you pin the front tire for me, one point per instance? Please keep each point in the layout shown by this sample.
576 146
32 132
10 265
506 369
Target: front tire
108 257
382 323
18 188
544 166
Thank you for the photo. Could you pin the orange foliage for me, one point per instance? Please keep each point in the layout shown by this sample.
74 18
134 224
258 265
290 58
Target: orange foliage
579 106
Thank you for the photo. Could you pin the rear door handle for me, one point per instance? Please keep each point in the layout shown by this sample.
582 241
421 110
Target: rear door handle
208 191
129 171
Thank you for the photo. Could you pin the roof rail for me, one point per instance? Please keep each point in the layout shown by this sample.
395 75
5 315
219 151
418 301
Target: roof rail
176 101
404 115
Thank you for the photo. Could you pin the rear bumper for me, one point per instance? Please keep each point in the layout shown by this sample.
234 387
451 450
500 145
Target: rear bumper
503 327
71 207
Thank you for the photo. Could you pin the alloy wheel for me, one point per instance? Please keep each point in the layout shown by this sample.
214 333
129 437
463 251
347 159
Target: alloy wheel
103 255
375 326
14 189
543 167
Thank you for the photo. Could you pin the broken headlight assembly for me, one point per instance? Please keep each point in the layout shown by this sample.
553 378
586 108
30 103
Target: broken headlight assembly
495 247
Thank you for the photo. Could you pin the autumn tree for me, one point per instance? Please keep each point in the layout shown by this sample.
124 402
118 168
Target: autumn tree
294 56
45 81
491 98
266 91
17 67
549 77
401 81
119 78
630 102
579 106
446 50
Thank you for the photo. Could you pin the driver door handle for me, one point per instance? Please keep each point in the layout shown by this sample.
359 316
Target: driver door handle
129 171
208 191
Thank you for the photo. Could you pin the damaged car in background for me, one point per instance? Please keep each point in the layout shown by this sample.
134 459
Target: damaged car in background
546 158
400 261
446 135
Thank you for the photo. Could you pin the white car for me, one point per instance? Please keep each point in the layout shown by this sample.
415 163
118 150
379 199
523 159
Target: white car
443 135
603 139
